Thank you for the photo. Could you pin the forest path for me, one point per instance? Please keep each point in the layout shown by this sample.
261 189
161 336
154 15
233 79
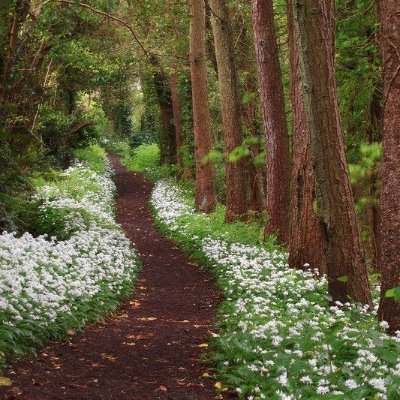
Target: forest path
150 348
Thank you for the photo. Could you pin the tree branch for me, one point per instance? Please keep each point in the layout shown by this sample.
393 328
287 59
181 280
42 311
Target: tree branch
102 13
78 127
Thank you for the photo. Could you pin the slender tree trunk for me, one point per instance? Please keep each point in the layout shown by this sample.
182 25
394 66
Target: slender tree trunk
306 245
389 310
337 218
205 174
164 98
236 204
251 117
256 173
274 118
177 110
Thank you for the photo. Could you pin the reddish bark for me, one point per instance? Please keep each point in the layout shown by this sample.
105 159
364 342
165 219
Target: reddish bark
236 202
337 218
274 118
389 309
306 245
205 174
251 118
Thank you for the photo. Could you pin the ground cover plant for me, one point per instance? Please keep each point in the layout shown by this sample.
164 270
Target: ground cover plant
78 268
280 336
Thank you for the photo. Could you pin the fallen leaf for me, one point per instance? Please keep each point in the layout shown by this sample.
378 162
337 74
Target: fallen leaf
131 344
206 375
135 304
5 381
140 337
218 386
147 319
203 345
163 388
185 321
108 357
71 332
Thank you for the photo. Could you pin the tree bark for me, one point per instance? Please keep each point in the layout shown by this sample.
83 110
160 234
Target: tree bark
164 98
306 245
177 110
274 118
235 179
347 275
205 174
389 309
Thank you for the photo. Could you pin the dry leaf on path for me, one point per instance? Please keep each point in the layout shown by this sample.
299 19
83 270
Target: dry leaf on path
5 381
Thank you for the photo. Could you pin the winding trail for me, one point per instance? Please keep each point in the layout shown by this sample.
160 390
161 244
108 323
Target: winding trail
150 348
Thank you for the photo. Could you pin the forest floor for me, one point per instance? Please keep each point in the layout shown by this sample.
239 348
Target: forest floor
151 347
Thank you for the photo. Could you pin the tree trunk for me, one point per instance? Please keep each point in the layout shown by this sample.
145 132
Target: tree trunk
235 180
256 173
164 98
177 110
205 174
389 310
274 118
347 275
306 245
251 118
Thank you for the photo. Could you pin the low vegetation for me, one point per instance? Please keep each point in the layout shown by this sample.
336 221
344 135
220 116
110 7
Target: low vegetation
76 270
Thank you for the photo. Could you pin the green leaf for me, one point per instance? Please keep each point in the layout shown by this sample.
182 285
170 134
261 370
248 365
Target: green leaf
393 293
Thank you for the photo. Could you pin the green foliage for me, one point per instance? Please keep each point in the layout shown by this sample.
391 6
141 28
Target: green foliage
393 293
142 157
370 157
358 73
146 159
92 156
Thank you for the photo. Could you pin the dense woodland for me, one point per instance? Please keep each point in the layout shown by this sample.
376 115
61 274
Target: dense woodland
287 112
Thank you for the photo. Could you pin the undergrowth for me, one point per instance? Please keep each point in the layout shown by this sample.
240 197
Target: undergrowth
77 267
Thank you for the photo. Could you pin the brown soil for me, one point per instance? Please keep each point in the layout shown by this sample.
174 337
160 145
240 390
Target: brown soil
150 348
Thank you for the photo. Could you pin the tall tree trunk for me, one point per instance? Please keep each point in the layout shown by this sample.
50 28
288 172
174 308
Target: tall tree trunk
164 98
306 245
236 204
274 118
256 173
389 309
205 174
337 218
177 110
251 116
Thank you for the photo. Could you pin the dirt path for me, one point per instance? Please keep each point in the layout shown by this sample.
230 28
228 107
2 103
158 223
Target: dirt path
150 349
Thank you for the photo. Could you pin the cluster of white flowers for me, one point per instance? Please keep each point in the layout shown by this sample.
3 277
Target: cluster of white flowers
82 190
42 278
167 199
283 338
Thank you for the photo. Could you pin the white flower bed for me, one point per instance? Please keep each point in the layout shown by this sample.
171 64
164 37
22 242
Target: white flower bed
280 338
42 279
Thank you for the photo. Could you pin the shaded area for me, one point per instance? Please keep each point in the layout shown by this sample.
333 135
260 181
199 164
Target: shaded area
150 348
